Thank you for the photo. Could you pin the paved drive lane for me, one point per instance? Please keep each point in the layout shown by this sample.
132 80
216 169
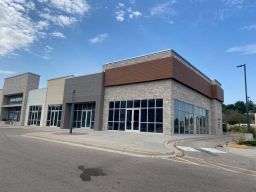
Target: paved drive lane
29 165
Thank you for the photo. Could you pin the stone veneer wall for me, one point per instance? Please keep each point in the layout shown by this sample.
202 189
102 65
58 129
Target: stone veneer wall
168 90
146 90
216 118
183 93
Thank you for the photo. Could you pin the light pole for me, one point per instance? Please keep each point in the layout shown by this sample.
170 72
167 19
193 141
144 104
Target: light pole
72 112
246 97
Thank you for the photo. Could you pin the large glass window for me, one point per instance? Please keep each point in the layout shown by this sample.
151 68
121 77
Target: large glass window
136 115
185 115
15 99
201 120
183 118
54 115
84 115
14 114
34 115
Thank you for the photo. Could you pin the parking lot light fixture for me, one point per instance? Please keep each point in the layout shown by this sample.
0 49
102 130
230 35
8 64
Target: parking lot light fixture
246 97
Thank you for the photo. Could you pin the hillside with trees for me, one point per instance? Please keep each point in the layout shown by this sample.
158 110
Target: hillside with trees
236 113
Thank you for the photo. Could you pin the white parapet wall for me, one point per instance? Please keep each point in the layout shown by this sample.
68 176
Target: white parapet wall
36 97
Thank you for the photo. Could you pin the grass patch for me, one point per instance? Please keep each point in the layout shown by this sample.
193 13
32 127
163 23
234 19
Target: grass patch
249 143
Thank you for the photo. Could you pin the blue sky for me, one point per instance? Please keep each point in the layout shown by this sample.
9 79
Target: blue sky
75 37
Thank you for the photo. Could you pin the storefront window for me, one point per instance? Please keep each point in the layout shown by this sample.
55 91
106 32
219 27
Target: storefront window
202 126
34 115
54 115
84 115
16 99
183 118
136 115
184 115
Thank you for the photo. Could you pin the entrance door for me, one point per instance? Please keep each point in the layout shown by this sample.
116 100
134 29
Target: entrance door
14 116
83 118
86 118
54 116
132 119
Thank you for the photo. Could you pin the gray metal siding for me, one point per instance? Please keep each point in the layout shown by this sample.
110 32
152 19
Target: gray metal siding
88 88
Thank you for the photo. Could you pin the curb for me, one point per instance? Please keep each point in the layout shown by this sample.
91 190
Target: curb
177 152
129 152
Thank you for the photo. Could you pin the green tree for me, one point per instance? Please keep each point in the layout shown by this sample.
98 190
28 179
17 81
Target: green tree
240 107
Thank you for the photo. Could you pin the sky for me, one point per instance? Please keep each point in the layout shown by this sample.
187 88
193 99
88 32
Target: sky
56 38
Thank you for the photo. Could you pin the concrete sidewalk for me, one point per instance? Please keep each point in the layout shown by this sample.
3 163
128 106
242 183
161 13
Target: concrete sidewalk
132 143
250 152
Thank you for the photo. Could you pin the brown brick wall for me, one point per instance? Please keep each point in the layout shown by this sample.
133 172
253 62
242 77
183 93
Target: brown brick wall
165 68
146 71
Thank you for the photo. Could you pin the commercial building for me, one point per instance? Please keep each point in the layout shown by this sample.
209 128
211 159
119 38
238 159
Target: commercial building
161 93
155 93
15 95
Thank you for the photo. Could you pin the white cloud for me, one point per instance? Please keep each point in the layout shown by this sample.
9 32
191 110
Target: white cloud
58 34
61 20
48 49
249 28
120 15
16 29
135 14
19 29
234 3
120 5
229 8
42 1
71 6
42 25
122 12
99 38
6 72
163 9
245 49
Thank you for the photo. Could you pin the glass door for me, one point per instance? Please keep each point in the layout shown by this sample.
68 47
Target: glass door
55 118
132 120
136 119
14 115
129 119
83 118
86 118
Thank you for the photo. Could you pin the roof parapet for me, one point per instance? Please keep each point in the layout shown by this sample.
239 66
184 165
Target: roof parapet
27 73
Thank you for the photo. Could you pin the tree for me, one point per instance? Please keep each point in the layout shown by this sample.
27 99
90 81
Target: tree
233 117
240 107
251 106
230 107
236 113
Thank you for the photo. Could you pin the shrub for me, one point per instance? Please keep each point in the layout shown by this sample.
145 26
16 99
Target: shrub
250 143
238 129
